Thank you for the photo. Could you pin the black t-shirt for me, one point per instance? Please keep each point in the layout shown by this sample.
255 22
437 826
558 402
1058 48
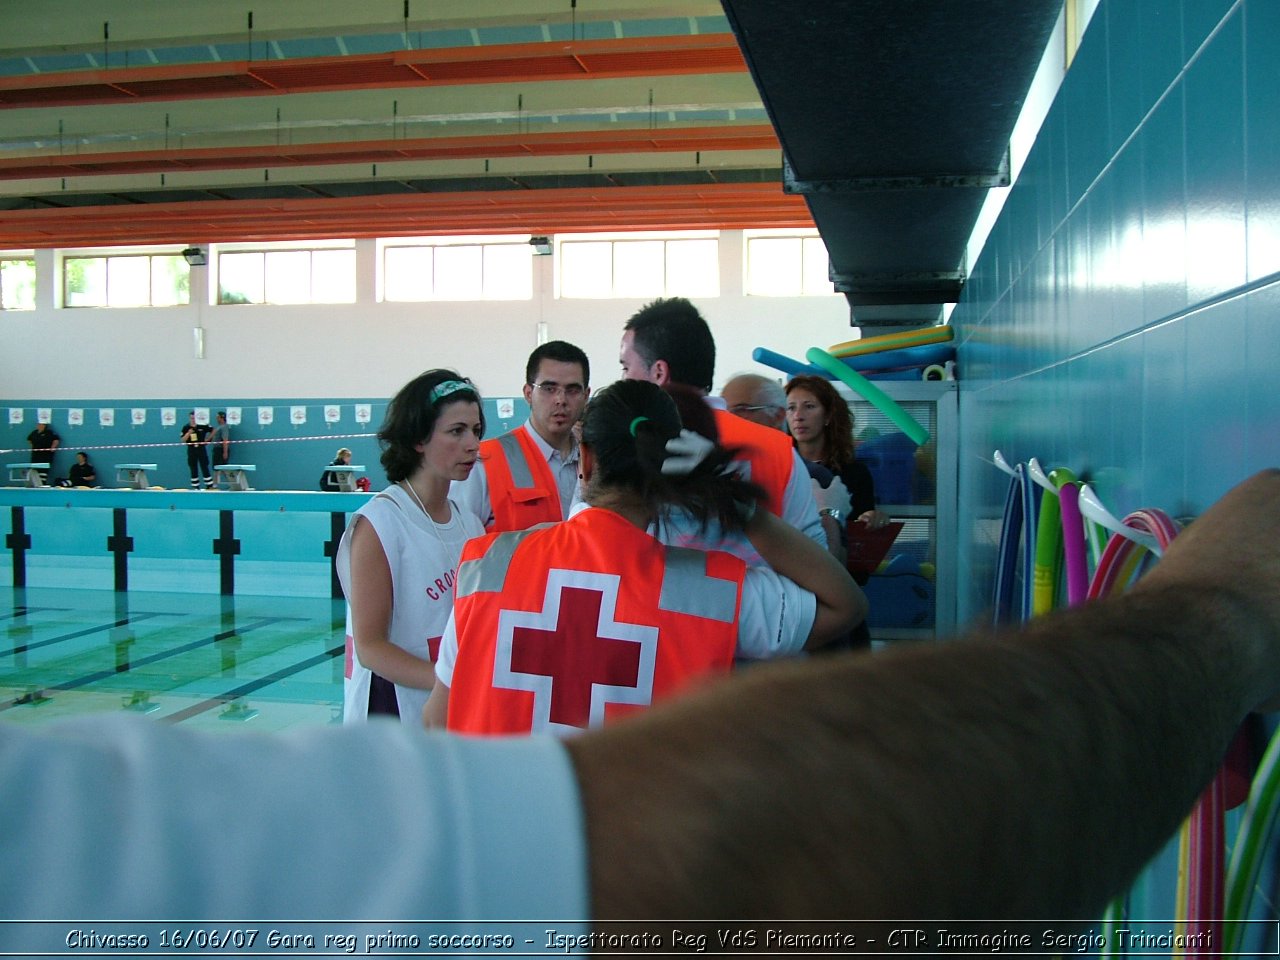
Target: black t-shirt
83 475
42 442
196 433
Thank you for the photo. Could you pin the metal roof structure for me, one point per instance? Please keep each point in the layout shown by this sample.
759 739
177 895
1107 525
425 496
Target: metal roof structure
882 121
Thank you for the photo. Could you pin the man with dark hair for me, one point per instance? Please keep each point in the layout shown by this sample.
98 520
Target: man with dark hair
528 476
220 440
668 341
196 437
44 442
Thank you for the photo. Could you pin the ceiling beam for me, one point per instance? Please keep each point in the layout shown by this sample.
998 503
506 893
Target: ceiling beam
499 63
687 207
665 140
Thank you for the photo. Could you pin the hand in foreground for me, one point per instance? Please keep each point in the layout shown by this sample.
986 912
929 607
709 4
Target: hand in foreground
1231 553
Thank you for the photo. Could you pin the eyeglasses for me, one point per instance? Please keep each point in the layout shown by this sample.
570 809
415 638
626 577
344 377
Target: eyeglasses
549 388
741 408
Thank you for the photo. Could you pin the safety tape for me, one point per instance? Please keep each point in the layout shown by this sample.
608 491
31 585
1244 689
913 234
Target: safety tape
207 443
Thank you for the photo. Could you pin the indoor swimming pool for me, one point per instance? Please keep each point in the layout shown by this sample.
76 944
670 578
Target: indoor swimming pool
205 661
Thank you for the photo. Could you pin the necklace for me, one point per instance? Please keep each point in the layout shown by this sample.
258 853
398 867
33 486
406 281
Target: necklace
418 500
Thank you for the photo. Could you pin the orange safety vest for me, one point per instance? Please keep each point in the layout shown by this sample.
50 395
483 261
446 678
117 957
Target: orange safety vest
522 488
767 452
574 625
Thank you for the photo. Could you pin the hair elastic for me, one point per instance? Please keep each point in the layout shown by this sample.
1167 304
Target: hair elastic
635 423
441 390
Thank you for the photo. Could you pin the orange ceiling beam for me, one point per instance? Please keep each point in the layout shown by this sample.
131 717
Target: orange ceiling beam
706 206
665 140
500 63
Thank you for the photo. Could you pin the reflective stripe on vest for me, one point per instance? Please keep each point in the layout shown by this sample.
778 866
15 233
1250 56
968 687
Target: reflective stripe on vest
687 589
517 462
488 572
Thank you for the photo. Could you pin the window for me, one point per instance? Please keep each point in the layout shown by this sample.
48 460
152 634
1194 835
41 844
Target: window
640 266
786 266
457 268
288 273
125 280
17 283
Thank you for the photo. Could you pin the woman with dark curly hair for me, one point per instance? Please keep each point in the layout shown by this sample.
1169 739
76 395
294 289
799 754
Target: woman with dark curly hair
822 430
575 624
398 558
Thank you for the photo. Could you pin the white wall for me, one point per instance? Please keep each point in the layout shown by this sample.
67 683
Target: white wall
366 348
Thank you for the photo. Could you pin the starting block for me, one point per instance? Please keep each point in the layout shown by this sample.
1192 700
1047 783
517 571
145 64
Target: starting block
344 475
28 474
234 475
133 474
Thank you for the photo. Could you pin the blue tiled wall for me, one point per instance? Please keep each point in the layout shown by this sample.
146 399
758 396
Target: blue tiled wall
1123 319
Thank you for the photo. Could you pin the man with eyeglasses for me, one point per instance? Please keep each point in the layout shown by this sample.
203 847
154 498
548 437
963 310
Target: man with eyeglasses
528 476
756 398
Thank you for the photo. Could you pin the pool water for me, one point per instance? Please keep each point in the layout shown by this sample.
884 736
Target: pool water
205 661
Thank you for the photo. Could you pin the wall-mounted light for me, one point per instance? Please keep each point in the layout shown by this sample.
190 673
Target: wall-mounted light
541 245
195 256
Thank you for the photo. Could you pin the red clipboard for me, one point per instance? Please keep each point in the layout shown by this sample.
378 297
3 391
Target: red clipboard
867 548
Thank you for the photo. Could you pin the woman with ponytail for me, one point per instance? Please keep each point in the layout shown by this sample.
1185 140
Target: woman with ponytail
572 625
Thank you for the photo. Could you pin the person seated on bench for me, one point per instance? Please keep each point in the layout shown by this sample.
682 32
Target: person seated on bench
329 479
82 473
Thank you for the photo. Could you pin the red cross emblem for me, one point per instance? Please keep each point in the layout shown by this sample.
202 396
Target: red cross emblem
573 654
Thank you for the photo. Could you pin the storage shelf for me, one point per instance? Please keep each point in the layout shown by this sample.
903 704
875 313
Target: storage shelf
926 478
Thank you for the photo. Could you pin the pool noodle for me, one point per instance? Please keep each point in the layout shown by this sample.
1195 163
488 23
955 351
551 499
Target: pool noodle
1252 844
869 392
1073 541
901 373
892 341
907 357
1007 552
934 372
788 366
1048 554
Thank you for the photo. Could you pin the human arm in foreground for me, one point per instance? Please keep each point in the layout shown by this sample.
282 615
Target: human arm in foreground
1026 776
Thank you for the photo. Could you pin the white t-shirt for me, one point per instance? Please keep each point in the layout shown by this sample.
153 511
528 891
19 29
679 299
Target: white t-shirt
424 561
122 818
